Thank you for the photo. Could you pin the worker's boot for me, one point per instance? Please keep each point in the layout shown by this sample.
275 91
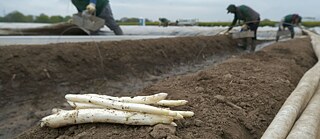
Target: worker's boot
244 44
292 35
118 31
253 46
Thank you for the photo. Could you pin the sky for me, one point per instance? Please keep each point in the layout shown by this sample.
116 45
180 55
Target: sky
203 10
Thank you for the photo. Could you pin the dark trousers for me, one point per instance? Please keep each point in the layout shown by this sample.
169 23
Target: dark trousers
111 23
290 27
254 27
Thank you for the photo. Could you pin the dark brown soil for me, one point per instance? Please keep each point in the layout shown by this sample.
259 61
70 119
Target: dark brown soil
258 83
54 29
34 79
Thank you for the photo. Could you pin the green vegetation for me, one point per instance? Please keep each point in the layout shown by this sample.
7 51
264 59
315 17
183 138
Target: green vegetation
152 23
17 16
262 23
311 24
133 21
212 24
268 23
42 18
137 23
128 23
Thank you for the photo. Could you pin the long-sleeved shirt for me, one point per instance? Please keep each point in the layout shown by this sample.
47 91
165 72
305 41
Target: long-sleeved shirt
81 5
292 19
245 14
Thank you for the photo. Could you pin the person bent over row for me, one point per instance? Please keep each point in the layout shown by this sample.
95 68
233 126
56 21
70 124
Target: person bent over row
102 9
244 13
289 22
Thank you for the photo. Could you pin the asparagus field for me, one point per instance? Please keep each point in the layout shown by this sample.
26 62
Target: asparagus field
233 93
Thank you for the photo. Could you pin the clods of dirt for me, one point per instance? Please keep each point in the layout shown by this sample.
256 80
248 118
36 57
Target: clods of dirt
236 99
35 78
161 131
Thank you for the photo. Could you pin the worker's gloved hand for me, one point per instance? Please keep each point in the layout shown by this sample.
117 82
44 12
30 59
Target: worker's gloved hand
70 21
226 32
281 28
91 8
244 27
223 32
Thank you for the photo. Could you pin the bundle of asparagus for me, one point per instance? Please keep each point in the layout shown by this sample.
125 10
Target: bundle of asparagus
94 108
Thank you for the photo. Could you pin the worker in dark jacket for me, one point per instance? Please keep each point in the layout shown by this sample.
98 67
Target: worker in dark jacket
164 22
102 9
244 13
290 21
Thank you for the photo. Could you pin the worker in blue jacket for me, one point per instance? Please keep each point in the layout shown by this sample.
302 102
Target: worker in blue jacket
102 9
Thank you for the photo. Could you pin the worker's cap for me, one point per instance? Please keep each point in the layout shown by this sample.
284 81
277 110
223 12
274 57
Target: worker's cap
231 8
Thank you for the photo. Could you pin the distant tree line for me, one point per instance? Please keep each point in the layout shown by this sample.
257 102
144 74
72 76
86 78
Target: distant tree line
17 16
131 20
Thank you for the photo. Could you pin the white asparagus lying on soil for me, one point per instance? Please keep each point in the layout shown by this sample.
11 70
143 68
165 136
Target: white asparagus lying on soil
56 110
157 99
167 103
78 105
71 117
152 99
112 104
171 103
186 113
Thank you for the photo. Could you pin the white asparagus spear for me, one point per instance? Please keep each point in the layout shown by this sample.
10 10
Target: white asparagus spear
168 103
157 99
172 103
112 104
82 116
152 99
78 105
186 113
56 110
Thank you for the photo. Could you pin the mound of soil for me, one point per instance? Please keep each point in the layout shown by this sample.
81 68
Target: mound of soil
34 79
54 29
252 87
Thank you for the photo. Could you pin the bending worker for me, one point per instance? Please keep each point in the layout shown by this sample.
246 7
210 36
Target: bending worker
164 22
289 22
102 9
244 13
